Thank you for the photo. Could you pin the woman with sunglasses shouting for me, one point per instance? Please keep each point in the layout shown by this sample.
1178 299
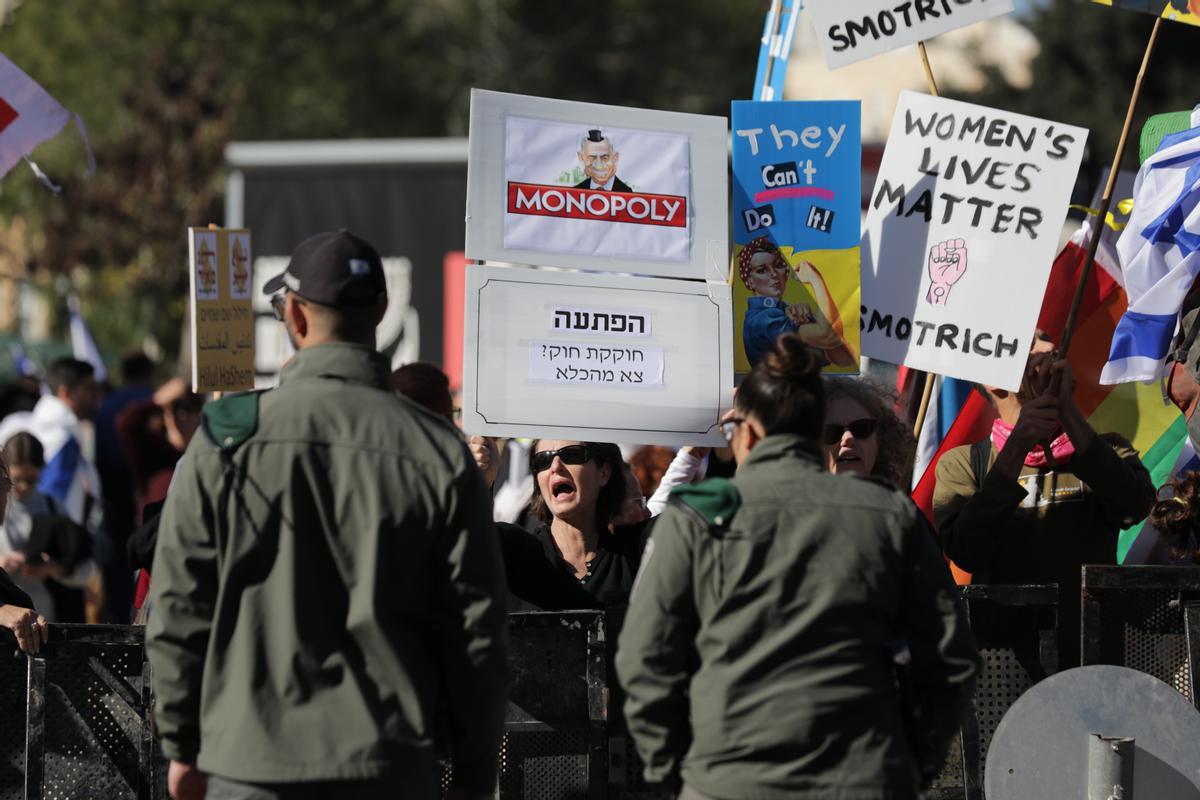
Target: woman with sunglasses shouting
570 558
760 649
862 435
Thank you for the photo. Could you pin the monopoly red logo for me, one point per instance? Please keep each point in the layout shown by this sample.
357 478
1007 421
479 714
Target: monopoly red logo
639 208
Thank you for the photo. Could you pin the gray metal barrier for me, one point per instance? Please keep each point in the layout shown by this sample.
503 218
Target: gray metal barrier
1145 618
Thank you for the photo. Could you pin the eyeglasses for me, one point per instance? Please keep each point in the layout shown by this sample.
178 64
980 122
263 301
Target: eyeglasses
279 302
571 454
860 429
729 427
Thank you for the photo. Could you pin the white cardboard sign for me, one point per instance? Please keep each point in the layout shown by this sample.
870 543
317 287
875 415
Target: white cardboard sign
851 30
596 187
962 229
595 357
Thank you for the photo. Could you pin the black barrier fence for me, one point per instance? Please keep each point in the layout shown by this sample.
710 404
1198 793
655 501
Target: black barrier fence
1015 629
1145 618
555 744
75 720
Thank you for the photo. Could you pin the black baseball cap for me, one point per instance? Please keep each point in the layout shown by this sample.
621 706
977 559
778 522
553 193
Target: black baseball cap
334 268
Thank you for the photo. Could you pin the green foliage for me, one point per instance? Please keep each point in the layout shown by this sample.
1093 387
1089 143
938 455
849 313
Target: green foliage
164 85
1085 71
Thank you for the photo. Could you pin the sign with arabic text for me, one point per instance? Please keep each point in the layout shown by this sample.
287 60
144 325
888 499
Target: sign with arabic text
221 311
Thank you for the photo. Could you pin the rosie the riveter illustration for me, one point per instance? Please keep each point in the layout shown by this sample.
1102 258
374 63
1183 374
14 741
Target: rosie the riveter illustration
599 161
764 271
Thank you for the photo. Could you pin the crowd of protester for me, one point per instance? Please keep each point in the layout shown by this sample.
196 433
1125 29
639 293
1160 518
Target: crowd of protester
775 591
83 460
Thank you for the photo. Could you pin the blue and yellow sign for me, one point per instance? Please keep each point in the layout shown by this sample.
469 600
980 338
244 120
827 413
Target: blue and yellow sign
796 228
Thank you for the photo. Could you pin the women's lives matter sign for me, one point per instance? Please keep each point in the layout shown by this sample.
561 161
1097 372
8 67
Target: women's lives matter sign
797 190
962 229
851 30
594 187
221 309
597 357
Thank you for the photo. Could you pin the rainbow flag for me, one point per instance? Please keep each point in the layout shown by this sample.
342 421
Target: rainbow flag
1139 412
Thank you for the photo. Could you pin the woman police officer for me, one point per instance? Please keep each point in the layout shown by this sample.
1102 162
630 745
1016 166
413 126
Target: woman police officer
758 655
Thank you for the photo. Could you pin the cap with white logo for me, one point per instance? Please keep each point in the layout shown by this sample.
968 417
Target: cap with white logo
335 268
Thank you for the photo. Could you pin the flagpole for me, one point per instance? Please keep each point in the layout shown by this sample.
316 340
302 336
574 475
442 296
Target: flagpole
778 10
927 391
1106 198
1064 344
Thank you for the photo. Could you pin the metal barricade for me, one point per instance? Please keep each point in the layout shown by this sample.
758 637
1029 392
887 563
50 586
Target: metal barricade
555 744
1146 618
1015 629
75 718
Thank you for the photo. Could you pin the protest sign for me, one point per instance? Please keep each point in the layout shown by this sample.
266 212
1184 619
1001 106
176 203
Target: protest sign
1185 11
962 228
221 310
796 228
595 187
779 29
852 30
595 357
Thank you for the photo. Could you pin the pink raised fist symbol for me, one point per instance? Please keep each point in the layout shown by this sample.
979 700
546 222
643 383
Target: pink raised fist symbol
947 263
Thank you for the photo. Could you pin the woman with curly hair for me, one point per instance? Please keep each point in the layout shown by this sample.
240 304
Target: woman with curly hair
862 434
1176 516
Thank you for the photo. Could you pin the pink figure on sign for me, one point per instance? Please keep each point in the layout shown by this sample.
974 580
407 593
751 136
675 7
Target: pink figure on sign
947 263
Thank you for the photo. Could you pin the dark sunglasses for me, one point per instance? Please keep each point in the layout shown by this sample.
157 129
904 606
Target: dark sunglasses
571 454
859 429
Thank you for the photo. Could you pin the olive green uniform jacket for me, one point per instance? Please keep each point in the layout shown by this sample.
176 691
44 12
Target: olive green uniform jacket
757 655
327 574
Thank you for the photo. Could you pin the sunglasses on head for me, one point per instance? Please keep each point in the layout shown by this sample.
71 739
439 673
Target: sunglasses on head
571 454
859 429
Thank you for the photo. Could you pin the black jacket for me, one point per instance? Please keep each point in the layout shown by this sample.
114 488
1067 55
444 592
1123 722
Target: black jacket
11 594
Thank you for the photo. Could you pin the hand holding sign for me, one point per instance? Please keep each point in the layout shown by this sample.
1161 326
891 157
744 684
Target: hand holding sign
947 263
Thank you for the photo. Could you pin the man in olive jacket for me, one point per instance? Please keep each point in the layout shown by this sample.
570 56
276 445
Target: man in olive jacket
327 574
758 654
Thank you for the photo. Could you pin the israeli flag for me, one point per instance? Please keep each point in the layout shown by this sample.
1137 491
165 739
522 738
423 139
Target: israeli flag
1160 257
83 345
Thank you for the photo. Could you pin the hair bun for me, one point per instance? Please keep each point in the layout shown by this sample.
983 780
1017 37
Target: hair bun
790 359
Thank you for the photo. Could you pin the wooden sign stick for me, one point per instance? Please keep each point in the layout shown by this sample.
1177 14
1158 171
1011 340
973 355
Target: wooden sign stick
927 391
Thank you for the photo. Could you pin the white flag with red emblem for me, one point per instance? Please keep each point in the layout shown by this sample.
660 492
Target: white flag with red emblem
28 117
